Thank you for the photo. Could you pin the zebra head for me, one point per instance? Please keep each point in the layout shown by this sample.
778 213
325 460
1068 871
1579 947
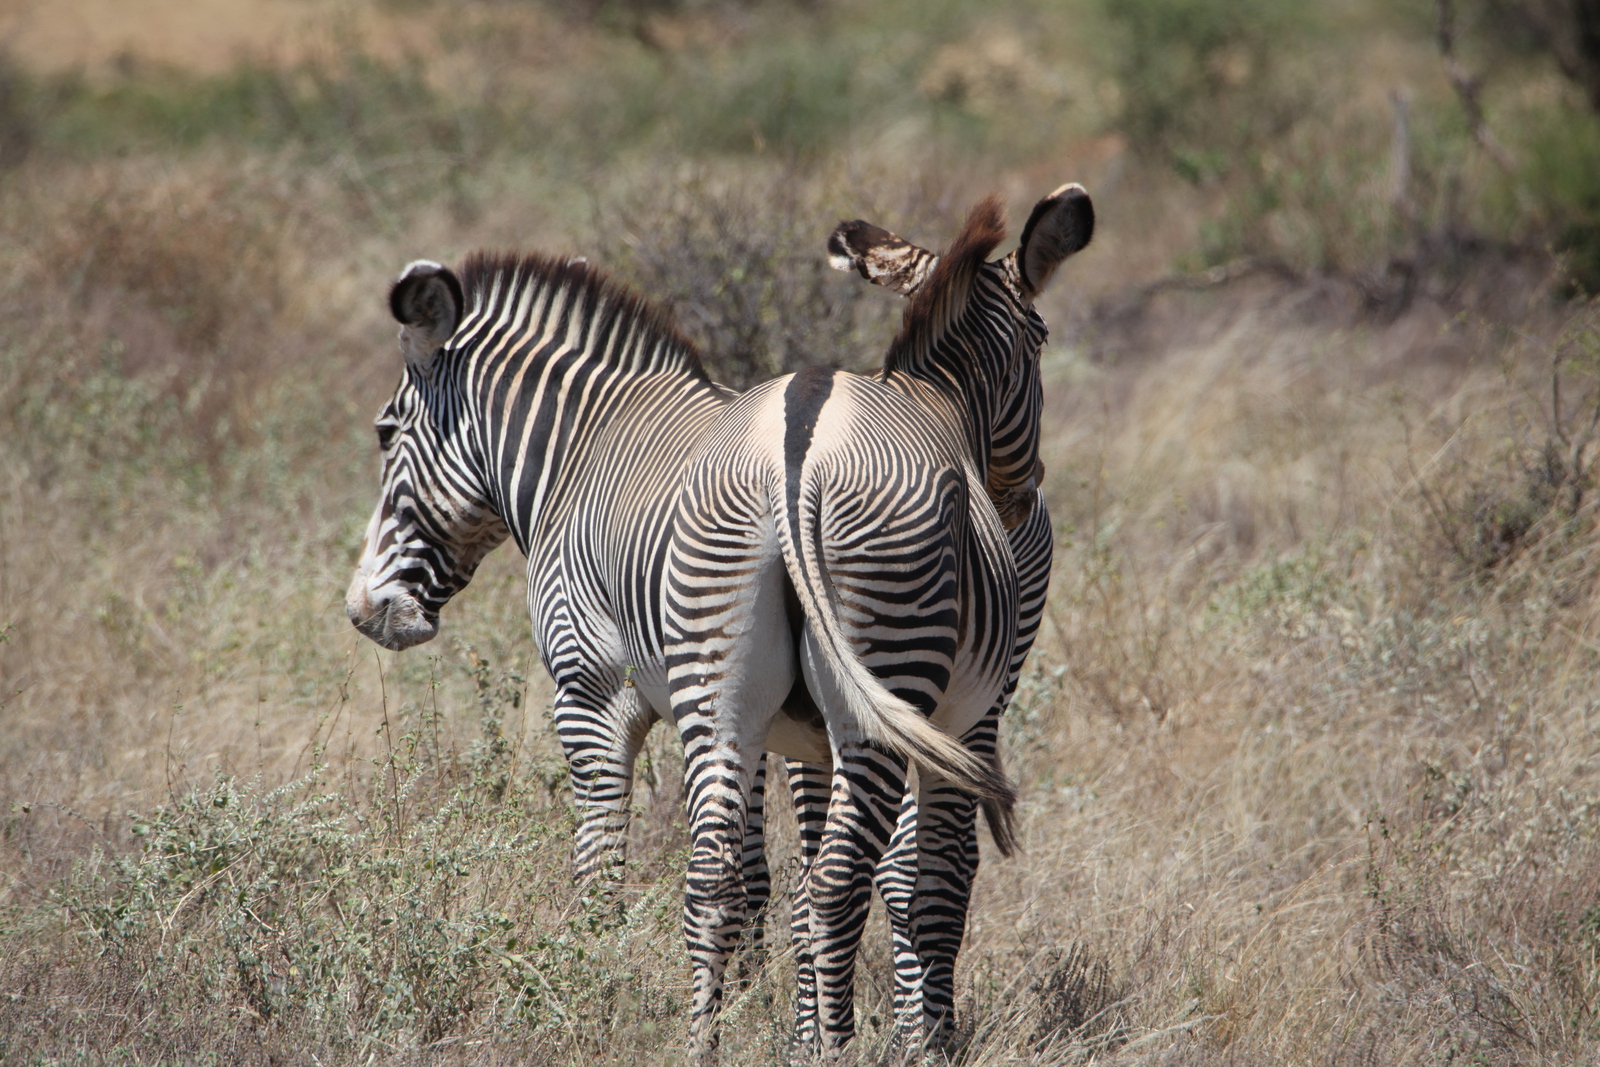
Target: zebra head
973 321
434 523
1059 225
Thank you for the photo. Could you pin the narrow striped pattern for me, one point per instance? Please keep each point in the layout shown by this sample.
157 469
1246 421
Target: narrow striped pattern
552 407
903 515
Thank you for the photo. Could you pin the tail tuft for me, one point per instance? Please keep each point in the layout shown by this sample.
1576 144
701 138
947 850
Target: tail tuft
1001 815
900 727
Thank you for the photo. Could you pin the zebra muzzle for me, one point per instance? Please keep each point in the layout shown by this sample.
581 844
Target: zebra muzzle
396 623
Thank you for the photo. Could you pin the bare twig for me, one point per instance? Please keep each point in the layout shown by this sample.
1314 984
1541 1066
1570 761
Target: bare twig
1132 301
1400 158
1467 87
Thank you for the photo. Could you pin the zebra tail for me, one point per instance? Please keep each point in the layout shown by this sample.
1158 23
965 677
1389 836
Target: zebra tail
1001 815
881 716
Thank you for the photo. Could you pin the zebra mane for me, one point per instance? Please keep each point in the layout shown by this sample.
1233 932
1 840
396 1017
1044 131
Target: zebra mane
943 297
504 276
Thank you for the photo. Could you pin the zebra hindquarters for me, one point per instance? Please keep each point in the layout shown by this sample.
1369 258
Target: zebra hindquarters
730 663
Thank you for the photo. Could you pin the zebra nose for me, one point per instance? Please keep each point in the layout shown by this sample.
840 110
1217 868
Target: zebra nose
396 620
358 603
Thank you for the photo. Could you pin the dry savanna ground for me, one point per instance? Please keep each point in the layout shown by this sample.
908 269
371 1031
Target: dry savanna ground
1307 746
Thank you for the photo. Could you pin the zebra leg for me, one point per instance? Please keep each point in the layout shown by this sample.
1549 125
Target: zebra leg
809 783
717 780
601 739
730 664
948 836
867 789
757 876
947 847
896 878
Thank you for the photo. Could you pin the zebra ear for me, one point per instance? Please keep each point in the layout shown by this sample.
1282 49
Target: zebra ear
427 302
880 256
1060 225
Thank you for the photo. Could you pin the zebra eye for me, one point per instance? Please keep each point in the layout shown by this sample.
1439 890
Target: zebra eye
386 432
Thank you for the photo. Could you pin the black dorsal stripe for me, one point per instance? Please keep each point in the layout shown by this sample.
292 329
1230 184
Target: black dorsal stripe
803 398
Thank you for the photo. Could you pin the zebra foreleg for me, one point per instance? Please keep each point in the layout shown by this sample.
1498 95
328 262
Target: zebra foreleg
601 739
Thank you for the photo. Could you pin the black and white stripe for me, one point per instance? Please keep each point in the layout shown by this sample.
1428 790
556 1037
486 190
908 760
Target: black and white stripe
541 402
864 522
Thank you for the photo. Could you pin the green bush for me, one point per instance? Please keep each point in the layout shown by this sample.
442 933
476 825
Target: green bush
1561 175
1201 79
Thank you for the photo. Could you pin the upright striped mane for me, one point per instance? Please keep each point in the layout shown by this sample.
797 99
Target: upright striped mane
943 298
497 278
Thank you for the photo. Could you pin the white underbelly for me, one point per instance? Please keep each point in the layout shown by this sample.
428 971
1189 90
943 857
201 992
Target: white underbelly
798 740
655 695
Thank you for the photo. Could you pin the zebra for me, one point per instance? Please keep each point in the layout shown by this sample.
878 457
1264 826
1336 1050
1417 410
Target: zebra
863 522
544 403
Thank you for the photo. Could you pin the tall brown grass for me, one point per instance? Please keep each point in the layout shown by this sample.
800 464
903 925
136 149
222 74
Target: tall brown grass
1306 745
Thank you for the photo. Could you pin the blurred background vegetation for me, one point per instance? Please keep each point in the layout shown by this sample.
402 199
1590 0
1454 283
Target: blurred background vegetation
1308 744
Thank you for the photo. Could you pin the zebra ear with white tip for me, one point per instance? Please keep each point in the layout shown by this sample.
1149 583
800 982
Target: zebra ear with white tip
1060 225
427 303
880 257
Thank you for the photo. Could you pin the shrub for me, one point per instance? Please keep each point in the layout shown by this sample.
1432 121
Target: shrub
1538 494
1200 78
743 264
430 902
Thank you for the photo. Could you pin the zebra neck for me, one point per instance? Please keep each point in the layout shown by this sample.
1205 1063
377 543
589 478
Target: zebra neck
961 401
542 409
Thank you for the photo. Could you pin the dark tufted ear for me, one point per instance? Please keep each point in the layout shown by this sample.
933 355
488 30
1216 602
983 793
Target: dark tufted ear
1060 225
427 302
880 256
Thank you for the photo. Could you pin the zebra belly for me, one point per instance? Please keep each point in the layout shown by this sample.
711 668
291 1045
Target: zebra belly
798 740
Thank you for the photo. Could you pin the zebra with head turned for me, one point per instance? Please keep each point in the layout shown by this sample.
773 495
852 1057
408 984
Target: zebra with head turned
848 531
543 403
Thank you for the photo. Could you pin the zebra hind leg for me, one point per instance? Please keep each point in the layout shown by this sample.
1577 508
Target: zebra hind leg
862 813
757 879
947 865
809 784
896 879
714 906
947 847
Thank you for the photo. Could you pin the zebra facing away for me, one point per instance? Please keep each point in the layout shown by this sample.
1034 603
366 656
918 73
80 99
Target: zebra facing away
853 532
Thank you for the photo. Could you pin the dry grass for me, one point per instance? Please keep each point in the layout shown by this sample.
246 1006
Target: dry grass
1307 745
